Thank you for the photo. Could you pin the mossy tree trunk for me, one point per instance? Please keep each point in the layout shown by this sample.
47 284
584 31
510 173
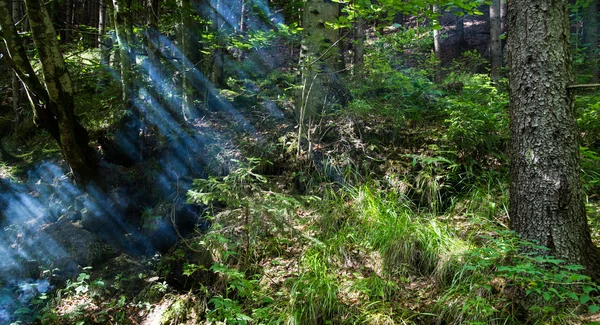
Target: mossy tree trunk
546 199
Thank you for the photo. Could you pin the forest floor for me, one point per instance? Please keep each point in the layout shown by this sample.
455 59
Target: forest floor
392 210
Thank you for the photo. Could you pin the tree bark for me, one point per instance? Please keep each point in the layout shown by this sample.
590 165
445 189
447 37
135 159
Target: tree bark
460 33
320 84
122 24
190 48
359 45
14 51
16 83
546 199
73 137
590 38
218 72
495 44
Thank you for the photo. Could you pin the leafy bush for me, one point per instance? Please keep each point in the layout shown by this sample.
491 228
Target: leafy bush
477 125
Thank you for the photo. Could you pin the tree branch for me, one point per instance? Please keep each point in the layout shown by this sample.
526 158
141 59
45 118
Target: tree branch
583 86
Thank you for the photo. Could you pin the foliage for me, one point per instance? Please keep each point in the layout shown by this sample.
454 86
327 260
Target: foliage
513 281
477 122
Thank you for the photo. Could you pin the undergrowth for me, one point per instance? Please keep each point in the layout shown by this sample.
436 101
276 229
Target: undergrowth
407 229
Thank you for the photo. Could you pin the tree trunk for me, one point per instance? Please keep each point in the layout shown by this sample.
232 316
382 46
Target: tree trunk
16 83
218 73
190 48
126 56
460 33
590 38
104 41
44 115
546 199
359 45
437 48
73 138
66 38
495 44
320 85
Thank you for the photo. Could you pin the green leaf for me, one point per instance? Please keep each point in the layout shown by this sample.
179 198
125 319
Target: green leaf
584 299
587 288
593 309
546 296
573 296
477 12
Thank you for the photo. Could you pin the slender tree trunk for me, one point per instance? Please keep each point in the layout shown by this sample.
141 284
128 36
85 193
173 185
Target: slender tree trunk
460 33
359 45
590 38
495 44
73 138
437 48
16 83
152 37
104 41
68 21
191 52
218 73
242 15
546 199
121 24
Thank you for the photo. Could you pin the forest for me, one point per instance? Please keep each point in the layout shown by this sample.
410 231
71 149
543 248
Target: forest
261 162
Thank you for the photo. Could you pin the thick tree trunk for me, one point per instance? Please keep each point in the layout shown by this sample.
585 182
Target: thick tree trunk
320 85
546 199
590 38
495 44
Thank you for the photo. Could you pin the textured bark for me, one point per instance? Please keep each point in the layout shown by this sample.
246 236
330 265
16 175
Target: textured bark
590 38
73 138
44 114
320 84
546 200
495 44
